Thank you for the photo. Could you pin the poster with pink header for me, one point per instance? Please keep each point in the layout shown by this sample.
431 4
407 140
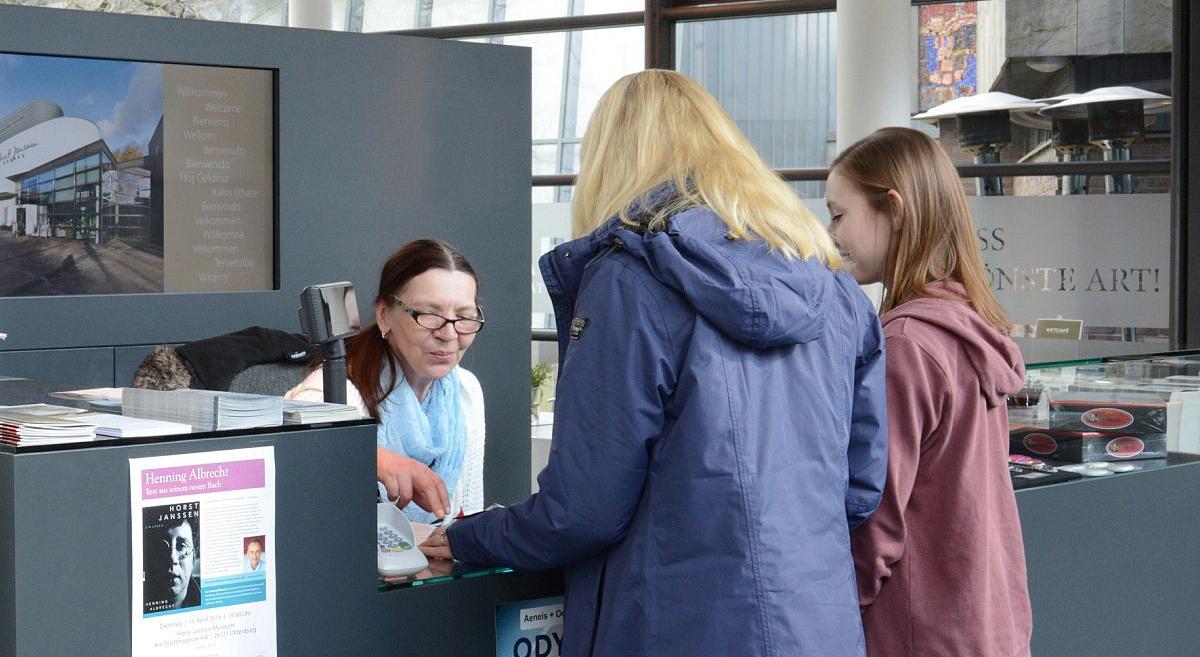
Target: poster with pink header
203 542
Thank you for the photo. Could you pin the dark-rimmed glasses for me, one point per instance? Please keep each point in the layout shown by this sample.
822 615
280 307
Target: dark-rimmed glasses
434 321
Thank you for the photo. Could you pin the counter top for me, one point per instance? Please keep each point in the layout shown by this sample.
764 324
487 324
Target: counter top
1173 460
14 391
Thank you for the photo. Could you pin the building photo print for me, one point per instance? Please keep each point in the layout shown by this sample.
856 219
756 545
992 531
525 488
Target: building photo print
80 176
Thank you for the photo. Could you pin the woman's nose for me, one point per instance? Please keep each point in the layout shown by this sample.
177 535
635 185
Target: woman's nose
447 332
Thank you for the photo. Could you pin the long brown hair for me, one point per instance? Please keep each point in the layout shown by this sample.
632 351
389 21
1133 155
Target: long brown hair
936 240
367 353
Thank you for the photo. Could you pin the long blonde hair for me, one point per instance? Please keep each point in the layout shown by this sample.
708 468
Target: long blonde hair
657 126
936 240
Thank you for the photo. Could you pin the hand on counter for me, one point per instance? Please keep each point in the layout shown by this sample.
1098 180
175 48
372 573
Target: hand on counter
437 546
437 568
408 480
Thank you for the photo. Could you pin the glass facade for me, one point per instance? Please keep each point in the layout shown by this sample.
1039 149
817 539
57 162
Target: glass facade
68 195
776 77
89 196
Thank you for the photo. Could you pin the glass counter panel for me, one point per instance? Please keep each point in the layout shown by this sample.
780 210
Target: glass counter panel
438 572
1042 353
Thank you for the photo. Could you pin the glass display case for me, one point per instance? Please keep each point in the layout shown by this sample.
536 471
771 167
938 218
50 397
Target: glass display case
1092 410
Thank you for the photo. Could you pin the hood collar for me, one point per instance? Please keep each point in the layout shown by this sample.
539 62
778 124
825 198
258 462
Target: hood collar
753 295
995 358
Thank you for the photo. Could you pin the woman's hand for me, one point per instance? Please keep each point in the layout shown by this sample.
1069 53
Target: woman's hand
408 480
437 546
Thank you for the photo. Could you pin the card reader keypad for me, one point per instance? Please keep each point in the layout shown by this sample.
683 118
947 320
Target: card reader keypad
391 541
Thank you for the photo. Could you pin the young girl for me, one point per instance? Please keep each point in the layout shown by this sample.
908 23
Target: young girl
940 565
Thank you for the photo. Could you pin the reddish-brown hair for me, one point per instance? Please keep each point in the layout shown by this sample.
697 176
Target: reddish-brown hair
367 353
936 241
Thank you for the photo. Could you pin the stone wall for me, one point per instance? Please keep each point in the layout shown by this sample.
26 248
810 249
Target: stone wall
1065 28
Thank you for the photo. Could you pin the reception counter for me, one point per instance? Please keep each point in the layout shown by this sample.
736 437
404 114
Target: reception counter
65 549
1112 561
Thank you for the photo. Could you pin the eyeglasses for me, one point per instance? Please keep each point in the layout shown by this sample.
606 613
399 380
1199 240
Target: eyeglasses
433 321
181 547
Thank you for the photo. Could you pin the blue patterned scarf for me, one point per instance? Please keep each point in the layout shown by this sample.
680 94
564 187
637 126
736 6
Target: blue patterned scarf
433 432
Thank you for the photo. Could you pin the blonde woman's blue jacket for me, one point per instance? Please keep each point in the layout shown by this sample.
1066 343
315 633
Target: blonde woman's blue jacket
719 429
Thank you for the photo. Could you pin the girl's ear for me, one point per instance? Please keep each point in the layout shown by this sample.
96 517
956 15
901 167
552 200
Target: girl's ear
896 203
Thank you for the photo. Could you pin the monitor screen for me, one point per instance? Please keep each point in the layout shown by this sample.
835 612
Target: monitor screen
125 177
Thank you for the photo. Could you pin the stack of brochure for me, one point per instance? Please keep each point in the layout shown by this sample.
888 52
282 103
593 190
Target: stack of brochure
41 424
88 394
204 410
122 426
102 400
312 412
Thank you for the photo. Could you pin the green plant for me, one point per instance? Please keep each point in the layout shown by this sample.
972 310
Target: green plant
539 374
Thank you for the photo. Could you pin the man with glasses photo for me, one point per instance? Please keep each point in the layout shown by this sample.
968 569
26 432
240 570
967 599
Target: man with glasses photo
170 557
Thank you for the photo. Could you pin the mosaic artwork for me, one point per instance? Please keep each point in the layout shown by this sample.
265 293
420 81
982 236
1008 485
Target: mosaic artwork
946 52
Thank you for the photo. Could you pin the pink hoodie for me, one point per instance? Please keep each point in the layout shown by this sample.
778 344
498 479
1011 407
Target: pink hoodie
941 565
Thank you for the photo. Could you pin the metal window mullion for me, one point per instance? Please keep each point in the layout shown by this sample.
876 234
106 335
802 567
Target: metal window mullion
496 11
569 99
424 17
354 15
530 26
1093 168
1185 178
659 35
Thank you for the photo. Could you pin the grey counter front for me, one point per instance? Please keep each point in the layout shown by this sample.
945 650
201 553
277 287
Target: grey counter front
1114 563
65 571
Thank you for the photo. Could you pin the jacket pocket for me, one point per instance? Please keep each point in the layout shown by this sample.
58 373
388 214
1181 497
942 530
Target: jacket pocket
599 606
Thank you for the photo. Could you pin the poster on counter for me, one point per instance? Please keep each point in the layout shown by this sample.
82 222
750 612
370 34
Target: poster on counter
530 628
203 540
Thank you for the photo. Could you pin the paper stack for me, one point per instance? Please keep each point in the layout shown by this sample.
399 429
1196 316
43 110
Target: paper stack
88 394
40 427
312 412
204 410
122 426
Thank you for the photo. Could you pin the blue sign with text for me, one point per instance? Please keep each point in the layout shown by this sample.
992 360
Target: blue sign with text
530 628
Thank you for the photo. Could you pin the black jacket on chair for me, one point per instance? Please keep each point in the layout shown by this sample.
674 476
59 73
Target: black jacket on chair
214 362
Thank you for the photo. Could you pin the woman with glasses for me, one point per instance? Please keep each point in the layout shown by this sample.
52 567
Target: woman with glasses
719 422
403 371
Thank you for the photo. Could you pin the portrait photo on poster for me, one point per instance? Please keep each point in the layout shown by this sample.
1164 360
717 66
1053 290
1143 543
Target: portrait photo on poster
170 557
254 554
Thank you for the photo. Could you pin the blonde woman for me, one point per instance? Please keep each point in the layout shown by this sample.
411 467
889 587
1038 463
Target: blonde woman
941 565
719 422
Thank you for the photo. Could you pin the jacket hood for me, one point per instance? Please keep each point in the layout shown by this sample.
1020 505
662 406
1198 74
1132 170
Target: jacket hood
995 358
754 296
